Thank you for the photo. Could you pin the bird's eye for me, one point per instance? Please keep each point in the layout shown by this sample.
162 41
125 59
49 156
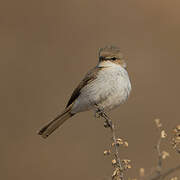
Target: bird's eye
113 58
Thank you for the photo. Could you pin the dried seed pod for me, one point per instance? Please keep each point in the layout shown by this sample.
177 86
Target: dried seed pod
114 162
126 164
116 173
129 166
125 143
113 144
107 152
158 123
119 141
165 155
163 134
126 161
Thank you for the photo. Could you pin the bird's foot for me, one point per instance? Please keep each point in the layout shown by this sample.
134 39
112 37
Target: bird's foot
99 112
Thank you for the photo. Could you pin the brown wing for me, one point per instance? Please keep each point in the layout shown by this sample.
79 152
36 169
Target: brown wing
90 76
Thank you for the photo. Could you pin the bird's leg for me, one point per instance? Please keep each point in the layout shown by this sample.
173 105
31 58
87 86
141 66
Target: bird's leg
99 112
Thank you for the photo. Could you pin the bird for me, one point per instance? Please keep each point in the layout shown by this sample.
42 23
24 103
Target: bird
105 86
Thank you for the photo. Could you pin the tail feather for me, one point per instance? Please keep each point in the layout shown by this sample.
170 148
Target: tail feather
55 123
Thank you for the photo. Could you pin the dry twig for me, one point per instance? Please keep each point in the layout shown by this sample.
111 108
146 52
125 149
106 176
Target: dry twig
166 173
163 154
118 172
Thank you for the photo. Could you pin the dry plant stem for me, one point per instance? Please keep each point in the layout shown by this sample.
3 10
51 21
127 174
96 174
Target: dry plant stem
159 175
166 173
159 166
108 121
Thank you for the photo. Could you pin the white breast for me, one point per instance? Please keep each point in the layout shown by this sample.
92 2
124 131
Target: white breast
111 88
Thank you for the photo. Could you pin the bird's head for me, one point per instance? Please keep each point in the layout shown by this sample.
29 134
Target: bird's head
112 54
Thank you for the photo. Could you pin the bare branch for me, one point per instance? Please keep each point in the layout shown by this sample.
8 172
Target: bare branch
166 173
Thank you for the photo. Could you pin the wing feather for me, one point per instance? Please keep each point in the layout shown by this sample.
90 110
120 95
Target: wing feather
89 77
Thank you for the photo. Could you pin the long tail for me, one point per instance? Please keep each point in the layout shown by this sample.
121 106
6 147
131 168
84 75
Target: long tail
55 123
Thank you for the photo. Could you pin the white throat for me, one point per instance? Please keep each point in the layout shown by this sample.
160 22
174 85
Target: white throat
107 64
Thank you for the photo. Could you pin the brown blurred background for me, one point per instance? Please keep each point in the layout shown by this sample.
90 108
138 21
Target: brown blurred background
43 44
